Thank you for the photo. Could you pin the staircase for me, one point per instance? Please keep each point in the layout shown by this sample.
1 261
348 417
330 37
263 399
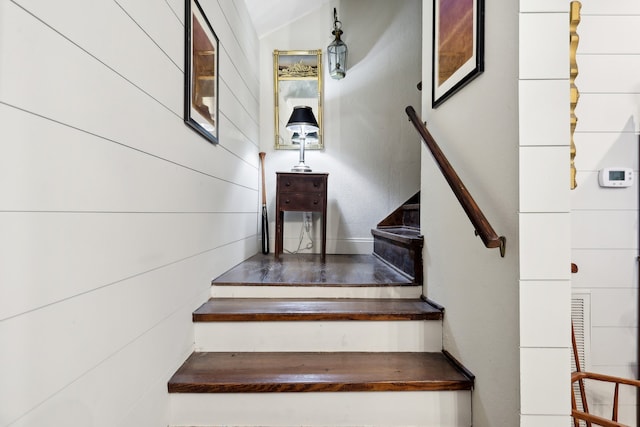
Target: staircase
300 342
397 239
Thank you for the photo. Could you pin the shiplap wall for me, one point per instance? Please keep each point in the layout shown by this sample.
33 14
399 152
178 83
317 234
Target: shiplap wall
114 216
605 221
544 212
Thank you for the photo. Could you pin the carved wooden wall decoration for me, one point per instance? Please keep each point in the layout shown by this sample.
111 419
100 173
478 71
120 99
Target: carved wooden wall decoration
574 20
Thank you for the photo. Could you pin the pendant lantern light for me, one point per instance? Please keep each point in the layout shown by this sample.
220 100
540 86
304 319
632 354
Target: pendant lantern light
337 51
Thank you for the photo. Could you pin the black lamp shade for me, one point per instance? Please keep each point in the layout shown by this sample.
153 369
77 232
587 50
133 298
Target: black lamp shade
302 120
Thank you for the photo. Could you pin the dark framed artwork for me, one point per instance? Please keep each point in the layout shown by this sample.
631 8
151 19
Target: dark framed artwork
201 95
458 46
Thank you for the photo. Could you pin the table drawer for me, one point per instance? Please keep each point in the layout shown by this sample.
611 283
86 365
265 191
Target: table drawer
308 202
301 184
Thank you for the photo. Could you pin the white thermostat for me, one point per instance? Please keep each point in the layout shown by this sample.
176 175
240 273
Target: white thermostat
615 177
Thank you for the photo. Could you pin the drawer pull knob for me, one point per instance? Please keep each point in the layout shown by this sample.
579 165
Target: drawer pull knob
287 201
315 202
287 184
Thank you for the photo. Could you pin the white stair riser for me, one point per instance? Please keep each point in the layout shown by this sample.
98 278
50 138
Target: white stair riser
375 336
316 292
389 409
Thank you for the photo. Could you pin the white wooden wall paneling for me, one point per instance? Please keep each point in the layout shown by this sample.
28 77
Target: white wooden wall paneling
616 229
615 307
541 328
238 140
604 391
101 348
246 47
241 118
610 34
590 196
605 268
602 149
544 6
540 57
544 391
613 346
543 179
158 20
120 215
177 6
618 7
134 121
77 253
620 114
626 413
243 93
240 21
106 32
100 176
620 73
93 354
539 234
545 420
543 101
239 114
60 343
229 43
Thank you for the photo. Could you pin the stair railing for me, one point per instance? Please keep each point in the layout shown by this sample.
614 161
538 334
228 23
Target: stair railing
482 226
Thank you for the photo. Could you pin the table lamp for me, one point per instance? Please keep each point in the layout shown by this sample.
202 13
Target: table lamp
302 122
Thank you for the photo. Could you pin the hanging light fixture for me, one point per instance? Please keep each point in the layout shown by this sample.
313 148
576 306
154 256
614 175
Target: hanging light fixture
337 51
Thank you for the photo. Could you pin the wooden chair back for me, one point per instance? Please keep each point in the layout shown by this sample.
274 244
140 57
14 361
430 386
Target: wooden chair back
579 377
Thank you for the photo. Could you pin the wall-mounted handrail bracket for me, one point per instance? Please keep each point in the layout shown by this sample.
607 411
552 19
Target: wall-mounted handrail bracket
503 244
482 227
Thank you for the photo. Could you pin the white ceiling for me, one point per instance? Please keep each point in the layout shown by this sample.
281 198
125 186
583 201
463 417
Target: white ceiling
269 15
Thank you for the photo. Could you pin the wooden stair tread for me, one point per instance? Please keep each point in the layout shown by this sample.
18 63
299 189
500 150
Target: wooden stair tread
317 372
411 206
272 309
404 235
400 229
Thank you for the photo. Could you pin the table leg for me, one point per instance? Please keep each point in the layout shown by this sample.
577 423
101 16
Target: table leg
324 233
279 234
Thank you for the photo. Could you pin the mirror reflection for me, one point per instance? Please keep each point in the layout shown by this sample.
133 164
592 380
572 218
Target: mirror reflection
297 81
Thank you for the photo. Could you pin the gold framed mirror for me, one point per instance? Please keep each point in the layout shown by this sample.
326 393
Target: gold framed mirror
297 81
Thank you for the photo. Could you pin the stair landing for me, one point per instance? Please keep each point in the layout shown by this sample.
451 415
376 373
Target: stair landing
307 276
310 270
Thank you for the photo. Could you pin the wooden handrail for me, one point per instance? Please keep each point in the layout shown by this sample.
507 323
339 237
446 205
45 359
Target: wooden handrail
471 208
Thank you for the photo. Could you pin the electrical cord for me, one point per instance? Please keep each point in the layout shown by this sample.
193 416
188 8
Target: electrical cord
305 228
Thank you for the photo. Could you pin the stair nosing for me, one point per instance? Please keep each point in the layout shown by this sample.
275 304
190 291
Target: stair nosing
315 309
207 372
301 284
414 240
411 206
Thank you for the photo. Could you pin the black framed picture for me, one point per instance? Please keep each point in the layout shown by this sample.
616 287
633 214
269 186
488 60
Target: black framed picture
458 46
201 95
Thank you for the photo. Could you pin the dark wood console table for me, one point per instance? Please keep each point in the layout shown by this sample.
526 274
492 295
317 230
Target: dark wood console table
300 192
